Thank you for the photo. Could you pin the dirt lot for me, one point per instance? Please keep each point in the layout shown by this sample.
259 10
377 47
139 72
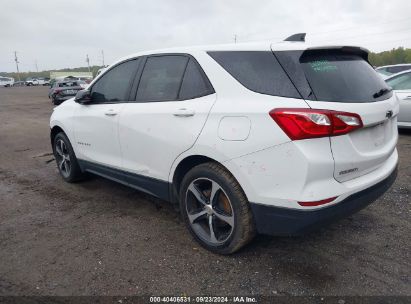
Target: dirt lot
101 238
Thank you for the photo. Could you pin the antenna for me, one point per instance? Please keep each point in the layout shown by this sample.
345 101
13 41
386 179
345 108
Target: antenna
17 64
102 55
300 37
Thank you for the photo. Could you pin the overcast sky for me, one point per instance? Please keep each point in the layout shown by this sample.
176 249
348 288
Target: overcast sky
59 34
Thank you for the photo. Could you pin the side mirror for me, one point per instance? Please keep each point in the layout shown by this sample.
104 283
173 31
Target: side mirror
83 97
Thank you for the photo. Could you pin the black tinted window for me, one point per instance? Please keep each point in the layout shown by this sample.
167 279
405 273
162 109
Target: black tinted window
194 83
257 71
340 77
161 78
113 86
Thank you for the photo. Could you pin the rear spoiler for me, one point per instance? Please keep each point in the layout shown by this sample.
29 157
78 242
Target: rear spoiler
362 52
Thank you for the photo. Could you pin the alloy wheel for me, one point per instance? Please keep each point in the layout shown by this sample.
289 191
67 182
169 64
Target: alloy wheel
63 158
209 210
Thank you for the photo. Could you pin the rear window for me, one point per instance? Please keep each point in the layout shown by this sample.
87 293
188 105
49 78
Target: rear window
258 71
340 77
398 68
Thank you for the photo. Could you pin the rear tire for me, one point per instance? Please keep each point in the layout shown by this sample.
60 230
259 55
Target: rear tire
55 101
215 209
66 160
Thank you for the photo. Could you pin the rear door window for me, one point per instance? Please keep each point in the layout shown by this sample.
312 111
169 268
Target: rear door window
258 71
161 78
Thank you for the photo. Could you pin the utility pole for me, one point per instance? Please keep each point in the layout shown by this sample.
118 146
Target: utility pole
235 38
88 62
102 55
17 64
37 68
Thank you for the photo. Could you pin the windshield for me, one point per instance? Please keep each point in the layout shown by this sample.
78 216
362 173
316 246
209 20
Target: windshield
339 77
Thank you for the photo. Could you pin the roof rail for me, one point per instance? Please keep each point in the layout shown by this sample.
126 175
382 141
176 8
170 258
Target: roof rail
296 37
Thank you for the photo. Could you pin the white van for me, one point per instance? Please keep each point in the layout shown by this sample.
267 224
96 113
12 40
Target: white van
6 81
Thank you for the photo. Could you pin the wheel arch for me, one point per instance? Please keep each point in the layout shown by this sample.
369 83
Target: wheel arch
53 132
185 165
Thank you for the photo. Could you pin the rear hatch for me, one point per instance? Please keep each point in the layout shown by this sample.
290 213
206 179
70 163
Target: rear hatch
341 79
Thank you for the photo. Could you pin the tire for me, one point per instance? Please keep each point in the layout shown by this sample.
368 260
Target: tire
229 214
55 101
66 160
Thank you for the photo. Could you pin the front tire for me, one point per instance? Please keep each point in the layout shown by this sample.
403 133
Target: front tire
215 209
66 160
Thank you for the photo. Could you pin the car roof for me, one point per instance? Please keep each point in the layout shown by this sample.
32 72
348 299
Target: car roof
249 46
394 65
397 74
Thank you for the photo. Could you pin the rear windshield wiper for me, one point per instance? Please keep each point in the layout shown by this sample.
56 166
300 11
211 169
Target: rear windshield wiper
382 92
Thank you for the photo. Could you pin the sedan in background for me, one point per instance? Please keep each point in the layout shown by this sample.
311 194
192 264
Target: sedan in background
401 84
63 90
389 70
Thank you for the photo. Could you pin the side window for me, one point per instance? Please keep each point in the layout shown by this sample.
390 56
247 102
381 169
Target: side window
194 83
113 86
258 71
161 78
401 82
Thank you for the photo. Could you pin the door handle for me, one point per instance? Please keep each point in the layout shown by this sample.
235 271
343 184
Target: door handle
183 112
110 112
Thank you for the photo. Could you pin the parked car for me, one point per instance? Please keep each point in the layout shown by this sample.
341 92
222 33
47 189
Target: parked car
45 81
63 90
388 70
6 81
401 84
38 81
246 138
31 82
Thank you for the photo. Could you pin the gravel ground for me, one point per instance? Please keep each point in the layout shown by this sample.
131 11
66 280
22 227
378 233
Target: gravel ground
101 238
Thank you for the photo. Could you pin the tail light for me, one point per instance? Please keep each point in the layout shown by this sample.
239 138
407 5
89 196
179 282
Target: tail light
311 123
57 92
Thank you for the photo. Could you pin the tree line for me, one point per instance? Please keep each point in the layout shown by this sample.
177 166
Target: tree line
394 56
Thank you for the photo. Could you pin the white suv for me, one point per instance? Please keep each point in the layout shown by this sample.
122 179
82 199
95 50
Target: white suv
247 138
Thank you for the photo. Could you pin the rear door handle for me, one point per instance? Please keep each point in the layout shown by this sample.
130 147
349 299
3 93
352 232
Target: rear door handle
183 112
110 112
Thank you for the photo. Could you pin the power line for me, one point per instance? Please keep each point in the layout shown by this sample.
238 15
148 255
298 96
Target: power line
356 27
331 31
373 34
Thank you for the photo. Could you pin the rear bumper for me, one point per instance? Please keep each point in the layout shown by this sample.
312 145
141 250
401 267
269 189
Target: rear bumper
284 221
404 124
